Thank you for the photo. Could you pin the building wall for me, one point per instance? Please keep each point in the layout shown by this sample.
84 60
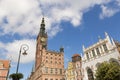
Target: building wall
91 59
93 63
52 67
78 72
4 69
73 71
70 73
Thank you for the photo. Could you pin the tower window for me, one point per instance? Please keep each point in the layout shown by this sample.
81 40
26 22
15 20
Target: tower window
55 70
55 62
60 71
59 62
46 61
46 70
46 79
51 70
51 61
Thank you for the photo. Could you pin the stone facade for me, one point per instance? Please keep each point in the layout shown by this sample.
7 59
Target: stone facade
4 69
70 73
49 65
104 50
73 72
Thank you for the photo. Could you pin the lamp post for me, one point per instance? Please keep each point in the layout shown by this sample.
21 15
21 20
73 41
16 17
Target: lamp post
23 47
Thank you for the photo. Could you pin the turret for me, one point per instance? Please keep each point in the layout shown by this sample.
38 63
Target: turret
61 49
107 37
83 47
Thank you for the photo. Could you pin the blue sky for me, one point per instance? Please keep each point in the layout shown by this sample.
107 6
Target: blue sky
70 24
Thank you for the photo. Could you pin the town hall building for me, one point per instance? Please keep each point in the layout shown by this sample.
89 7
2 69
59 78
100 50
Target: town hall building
49 65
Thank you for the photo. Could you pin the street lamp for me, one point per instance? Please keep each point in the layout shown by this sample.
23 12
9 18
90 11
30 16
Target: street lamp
23 47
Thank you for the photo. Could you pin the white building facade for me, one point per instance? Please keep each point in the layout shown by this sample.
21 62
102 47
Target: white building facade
104 50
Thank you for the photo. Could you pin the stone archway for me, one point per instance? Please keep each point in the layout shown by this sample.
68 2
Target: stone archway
90 73
114 61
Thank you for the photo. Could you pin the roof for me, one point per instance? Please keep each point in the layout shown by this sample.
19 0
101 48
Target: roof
117 43
75 55
6 63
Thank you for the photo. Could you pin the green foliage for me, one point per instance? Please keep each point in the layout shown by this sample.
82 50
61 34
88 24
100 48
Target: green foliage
15 76
108 71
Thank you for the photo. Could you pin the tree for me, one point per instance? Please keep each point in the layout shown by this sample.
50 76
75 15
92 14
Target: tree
108 71
17 76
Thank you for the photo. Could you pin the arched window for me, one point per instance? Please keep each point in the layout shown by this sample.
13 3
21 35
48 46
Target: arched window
114 61
90 74
98 64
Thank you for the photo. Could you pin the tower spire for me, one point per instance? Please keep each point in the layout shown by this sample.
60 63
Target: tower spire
42 28
42 24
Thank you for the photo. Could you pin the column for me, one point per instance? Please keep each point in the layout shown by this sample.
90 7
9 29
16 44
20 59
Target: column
95 52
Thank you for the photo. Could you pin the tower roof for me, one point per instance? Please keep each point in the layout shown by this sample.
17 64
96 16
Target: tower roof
42 31
43 22
75 55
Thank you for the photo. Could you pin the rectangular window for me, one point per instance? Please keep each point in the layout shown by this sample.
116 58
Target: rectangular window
51 70
105 47
46 70
98 52
60 71
87 55
46 79
55 70
93 52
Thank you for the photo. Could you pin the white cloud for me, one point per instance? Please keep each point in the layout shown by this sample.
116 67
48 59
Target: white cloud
23 16
107 12
118 2
11 50
54 31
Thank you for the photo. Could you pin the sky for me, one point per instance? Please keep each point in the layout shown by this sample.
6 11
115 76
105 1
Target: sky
69 23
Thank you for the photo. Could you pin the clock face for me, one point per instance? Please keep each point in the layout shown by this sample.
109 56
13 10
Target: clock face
43 39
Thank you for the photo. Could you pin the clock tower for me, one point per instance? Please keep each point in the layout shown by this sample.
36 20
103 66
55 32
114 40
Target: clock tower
49 64
41 44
